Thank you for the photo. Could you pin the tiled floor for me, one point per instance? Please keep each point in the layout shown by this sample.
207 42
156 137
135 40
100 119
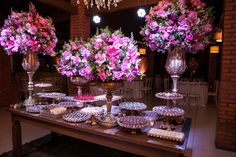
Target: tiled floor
201 141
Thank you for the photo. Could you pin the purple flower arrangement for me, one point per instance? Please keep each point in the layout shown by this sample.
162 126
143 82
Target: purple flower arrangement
75 60
184 23
115 56
28 31
107 56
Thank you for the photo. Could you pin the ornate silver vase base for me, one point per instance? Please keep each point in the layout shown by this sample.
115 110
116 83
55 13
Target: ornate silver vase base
29 102
108 121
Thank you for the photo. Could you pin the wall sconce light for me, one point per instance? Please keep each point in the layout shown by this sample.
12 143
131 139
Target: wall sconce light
218 36
142 50
214 49
143 66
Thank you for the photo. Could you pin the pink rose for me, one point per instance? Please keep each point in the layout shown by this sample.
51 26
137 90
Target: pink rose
102 76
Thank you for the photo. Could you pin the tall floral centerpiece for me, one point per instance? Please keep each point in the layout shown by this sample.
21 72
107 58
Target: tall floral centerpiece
75 63
182 24
176 27
28 33
116 58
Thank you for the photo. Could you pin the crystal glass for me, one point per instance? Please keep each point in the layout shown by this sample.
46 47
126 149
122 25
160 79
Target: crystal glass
175 65
79 81
30 64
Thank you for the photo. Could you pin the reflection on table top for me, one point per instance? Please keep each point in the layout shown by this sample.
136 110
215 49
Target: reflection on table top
99 133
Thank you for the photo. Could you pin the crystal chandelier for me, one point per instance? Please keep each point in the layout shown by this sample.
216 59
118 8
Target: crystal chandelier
100 3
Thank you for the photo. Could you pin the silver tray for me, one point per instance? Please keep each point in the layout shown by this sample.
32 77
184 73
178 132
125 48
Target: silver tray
47 113
92 110
70 104
134 106
52 95
133 122
168 111
34 108
76 117
165 134
169 95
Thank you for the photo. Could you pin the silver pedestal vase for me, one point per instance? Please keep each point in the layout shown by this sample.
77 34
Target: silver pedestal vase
175 65
108 120
79 81
30 64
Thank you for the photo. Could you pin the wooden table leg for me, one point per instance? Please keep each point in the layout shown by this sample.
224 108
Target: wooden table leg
16 137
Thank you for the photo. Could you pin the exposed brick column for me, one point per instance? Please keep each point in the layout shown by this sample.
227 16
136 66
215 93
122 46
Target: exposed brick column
80 23
226 109
79 28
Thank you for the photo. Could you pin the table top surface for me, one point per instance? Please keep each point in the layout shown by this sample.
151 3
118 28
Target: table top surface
114 133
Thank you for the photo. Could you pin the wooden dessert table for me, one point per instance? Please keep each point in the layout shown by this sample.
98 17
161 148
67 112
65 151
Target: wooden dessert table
139 144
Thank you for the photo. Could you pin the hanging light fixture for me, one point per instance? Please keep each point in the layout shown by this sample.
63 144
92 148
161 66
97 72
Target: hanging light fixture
100 3
141 12
143 66
96 19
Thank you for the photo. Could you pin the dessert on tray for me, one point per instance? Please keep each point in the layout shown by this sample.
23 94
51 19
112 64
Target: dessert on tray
84 97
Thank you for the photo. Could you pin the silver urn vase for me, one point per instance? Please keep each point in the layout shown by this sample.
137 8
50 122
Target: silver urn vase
30 64
175 65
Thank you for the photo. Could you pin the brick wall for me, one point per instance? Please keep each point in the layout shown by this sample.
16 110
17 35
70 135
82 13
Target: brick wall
80 23
226 109
79 28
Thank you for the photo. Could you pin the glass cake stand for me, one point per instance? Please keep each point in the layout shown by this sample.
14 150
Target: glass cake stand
170 110
133 107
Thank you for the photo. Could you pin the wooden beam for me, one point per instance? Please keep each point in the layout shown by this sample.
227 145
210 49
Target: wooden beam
125 4
63 5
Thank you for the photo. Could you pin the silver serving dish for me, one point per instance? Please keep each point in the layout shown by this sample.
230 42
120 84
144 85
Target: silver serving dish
169 95
133 106
76 117
168 111
70 104
93 110
133 122
34 108
52 95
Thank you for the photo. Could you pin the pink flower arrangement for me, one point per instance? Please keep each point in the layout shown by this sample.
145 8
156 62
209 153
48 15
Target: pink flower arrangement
75 60
115 56
28 31
184 23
